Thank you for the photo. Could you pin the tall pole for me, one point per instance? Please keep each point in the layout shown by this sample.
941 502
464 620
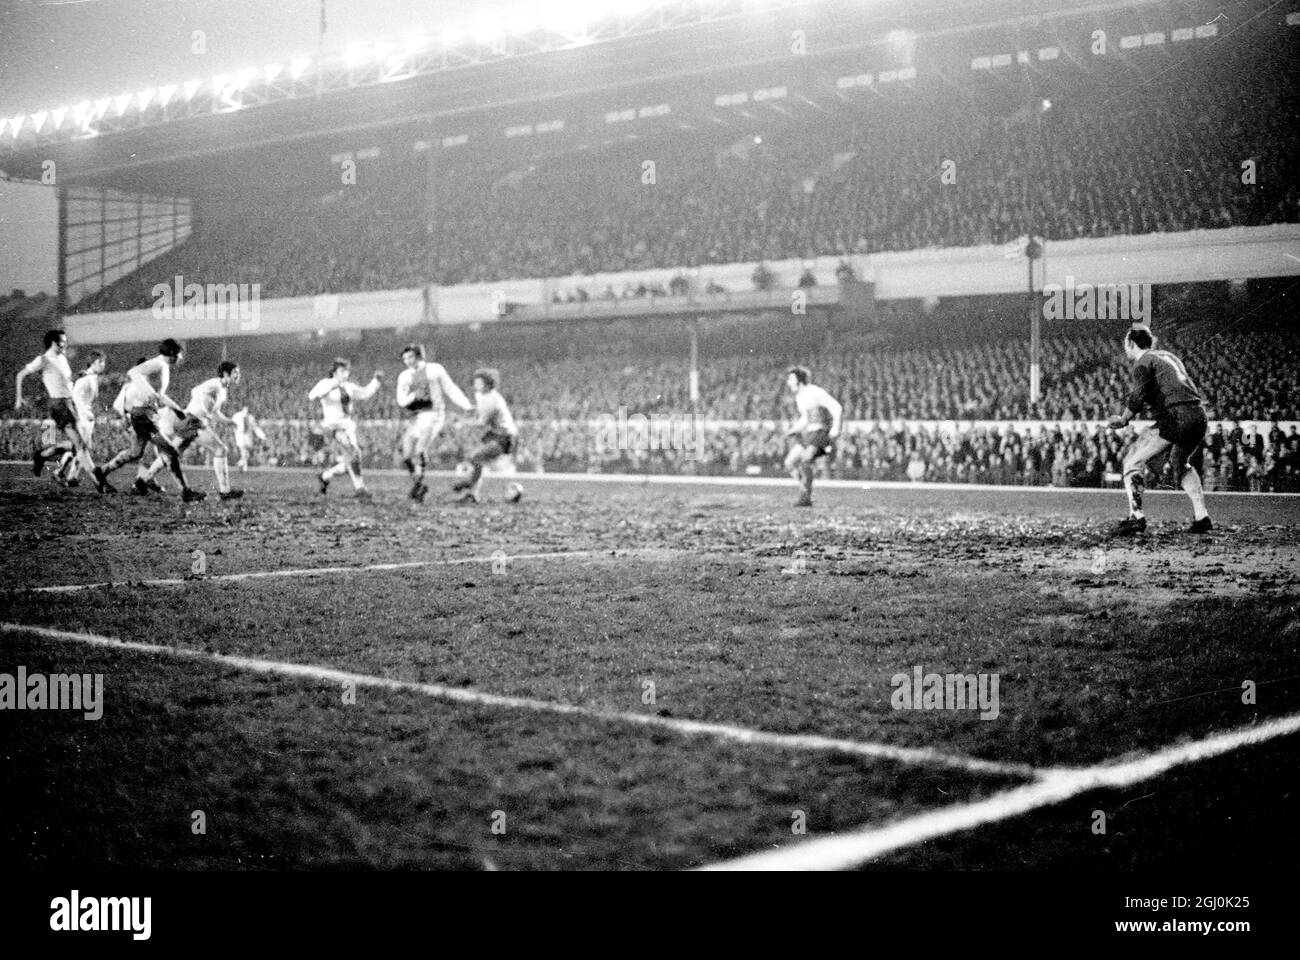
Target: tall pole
1035 331
695 366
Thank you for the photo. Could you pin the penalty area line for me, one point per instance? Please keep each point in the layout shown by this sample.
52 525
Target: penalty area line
719 731
847 850
317 571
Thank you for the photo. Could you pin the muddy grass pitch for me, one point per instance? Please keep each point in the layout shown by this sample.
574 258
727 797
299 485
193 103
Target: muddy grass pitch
648 676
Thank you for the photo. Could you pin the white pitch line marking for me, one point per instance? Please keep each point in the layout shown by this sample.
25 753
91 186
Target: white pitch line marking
851 849
313 571
720 731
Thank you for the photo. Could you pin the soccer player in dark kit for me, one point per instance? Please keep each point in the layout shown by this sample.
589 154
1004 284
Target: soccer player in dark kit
1161 383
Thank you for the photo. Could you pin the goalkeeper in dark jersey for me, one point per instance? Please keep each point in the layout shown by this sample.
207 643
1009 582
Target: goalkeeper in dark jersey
1161 383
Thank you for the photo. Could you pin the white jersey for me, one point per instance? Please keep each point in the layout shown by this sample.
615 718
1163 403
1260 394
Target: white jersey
818 410
245 425
336 398
136 393
84 393
155 366
494 414
423 388
206 399
55 373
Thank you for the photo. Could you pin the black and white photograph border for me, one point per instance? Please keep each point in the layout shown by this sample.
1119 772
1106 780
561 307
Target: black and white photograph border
711 435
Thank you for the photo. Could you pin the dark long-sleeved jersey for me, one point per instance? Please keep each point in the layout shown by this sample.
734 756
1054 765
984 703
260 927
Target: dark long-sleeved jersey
1160 381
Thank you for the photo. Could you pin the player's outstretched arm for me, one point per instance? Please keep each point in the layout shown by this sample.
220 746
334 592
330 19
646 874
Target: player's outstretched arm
450 389
23 374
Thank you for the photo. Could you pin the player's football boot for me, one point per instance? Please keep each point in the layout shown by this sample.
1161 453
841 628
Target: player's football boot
74 482
516 495
1131 526
153 486
101 481
1202 525
140 488
190 495
409 464
418 491
804 501
38 462
324 483
470 497
232 494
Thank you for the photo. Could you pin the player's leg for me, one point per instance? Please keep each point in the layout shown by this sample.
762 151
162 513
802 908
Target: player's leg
1190 435
1149 444
71 464
484 454
245 447
798 464
427 427
214 445
173 457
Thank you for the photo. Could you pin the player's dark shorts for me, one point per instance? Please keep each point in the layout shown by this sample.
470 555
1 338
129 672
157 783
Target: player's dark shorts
820 441
1184 426
187 428
63 413
145 423
494 445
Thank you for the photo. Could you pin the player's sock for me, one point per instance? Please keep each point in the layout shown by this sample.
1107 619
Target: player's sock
85 460
1191 482
353 467
221 468
148 473
329 473
420 463
65 462
1133 490
476 480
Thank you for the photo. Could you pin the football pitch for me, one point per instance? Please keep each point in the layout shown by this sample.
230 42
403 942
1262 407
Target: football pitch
650 675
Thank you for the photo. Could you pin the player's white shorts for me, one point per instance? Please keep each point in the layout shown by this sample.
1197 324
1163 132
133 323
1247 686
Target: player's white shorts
342 431
243 441
424 428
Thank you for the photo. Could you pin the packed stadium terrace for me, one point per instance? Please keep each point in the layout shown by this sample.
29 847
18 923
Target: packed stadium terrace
863 180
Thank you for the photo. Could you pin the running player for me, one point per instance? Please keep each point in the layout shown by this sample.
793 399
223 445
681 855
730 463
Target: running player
1160 382
247 433
499 436
199 426
141 402
421 390
56 375
336 394
814 432
84 393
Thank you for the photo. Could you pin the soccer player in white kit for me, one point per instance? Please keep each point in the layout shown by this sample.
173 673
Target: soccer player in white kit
56 375
246 431
422 389
84 394
199 426
336 394
814 432
499 436
140 402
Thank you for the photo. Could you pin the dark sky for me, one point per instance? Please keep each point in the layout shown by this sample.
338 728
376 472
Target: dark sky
56 53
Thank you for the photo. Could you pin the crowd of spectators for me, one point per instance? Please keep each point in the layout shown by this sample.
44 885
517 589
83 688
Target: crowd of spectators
870 179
